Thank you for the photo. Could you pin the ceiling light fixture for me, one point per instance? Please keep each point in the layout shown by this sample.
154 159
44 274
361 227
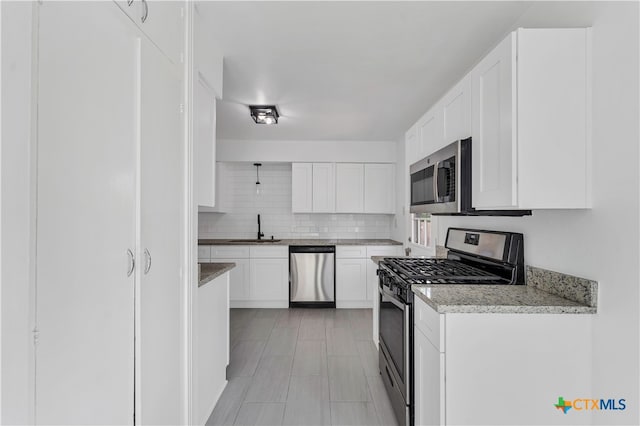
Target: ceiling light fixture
264 114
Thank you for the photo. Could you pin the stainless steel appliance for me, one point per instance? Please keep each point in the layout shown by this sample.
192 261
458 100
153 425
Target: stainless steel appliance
474 257
441 182
312 277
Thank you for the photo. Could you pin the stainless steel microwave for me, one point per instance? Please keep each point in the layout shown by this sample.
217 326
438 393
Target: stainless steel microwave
441 182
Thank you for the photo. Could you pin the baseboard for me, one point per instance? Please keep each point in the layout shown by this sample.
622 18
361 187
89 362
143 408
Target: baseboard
354 304
267 304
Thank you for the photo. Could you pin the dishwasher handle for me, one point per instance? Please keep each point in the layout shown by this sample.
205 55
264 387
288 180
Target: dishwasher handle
312 249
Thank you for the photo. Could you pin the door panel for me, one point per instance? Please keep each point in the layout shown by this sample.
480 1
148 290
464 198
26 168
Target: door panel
161 180
85 214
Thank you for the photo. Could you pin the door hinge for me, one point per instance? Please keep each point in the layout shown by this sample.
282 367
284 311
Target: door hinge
181 57
181 108
36 336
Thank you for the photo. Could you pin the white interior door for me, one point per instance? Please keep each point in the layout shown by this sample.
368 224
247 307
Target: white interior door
158 390
85 214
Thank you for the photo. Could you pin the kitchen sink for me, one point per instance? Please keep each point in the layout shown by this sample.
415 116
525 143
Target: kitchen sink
254 241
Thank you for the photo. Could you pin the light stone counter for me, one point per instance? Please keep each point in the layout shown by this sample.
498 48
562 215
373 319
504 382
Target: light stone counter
546 292
211 271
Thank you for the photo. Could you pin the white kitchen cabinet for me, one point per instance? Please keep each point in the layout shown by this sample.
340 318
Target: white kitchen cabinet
412 151
430 130
531 112
456 112
91 154
238 280
302 187
221 191
471 360
212 355
351 283
204 254
379 188
429 382
158 355
324 196
207 57
269 282
350 183
204 143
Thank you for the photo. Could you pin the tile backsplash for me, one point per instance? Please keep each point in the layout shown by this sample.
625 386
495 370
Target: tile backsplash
242 205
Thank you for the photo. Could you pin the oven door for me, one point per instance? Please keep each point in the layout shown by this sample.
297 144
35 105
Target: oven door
395 340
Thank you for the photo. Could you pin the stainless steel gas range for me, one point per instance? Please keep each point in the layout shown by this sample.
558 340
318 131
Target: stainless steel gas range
474 257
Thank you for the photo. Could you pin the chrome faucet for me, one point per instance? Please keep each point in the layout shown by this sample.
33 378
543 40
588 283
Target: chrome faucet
260 234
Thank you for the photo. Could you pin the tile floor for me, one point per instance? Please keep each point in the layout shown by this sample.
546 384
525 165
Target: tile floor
303 367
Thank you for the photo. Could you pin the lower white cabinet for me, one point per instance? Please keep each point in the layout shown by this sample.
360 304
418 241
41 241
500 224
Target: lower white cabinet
351 283
212 343
239 280
465 362
260 278
269 282
429 381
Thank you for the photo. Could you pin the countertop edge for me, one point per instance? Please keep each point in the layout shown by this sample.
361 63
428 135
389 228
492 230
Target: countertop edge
211 271
301 242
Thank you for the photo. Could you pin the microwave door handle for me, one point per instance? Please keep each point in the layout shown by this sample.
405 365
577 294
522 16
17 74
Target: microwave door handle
436 197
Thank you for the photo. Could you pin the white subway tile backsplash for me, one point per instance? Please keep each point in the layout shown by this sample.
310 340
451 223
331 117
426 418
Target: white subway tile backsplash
274 207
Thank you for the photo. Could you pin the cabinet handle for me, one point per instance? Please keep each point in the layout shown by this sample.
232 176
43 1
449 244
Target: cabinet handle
130 2
147 265
146 11
132 262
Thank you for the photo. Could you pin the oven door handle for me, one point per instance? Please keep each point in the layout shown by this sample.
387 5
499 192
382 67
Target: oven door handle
393 299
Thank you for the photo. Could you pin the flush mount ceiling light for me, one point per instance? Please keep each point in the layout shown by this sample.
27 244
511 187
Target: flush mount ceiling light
264 114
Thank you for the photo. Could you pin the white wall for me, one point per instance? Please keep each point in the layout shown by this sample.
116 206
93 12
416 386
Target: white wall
309 151
601 243
17 236
274 207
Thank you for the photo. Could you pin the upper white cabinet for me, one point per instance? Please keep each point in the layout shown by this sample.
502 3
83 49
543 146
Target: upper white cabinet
160 21
206 87
302 187
379 188
530 122
323 196
430 132
204 142
456 112
350 188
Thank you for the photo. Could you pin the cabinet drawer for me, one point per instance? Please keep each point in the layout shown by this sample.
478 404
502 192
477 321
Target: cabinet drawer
429 322
204 253
384 251
278 252
351 252
229 252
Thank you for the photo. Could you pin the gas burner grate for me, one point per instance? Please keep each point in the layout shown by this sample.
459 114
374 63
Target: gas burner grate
440 271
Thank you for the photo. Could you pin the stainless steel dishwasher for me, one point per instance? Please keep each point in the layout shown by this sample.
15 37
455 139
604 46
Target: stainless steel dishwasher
312 276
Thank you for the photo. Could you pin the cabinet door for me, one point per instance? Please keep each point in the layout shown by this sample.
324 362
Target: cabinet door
269 280
493 128
430 132
349 188
204 143
351 280
324 196
379 188
164 24
456 111
239 279
158 369
207 57
87 85
412 151
429 382
302 187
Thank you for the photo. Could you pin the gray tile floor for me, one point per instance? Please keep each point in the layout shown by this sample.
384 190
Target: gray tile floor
303 367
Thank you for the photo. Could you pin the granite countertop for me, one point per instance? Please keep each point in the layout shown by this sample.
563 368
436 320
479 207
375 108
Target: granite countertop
303 242
211 271
546 292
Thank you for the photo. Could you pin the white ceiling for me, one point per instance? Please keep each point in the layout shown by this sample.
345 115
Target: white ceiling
346 70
